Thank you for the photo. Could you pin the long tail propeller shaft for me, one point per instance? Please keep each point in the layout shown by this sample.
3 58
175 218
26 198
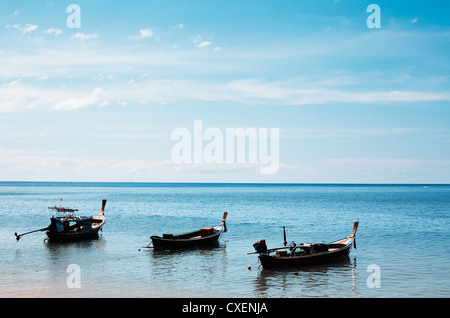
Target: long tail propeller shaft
19 236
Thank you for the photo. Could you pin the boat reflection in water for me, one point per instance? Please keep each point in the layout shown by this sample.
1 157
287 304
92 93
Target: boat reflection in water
304 269
339 277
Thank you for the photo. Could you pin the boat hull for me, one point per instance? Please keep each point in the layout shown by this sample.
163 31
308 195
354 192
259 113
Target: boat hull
274 261
204 237
76 235
185 240
306 254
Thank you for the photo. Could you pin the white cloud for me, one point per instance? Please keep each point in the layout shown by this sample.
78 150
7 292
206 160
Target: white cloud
59 165
20 88
29 28
309 133
15 96
414 20
80 100
200 42
321 96
83 37
204 44
143 34
53 31
146 33
12 83
54 164
25 29
378 163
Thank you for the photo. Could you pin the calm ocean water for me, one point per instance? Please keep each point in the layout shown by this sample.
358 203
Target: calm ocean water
403 232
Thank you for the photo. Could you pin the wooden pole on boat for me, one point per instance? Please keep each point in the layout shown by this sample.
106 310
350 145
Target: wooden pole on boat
355 227
225 214
102 212
284 236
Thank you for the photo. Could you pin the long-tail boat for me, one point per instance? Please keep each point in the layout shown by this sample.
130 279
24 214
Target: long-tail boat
201 237
306 253
65 225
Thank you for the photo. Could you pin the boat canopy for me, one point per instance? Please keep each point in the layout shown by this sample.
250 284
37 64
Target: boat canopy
65 213
62 209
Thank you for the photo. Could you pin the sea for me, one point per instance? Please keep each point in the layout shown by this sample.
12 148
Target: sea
401 242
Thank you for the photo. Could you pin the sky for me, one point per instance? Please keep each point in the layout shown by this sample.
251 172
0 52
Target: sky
96 93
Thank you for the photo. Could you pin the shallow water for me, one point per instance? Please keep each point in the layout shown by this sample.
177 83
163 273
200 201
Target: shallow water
402 231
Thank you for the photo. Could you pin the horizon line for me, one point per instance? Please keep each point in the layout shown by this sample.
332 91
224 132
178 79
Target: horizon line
232 183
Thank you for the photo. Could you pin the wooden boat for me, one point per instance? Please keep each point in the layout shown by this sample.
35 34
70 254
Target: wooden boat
305 253
66 226
204 236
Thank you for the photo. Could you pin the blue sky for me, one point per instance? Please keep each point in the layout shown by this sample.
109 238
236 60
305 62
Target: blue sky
99 102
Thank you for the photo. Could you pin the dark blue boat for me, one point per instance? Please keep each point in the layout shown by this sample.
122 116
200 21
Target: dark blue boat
204 236
65 225
306 253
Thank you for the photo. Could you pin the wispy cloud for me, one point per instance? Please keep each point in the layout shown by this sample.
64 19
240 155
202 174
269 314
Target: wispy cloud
19 97
162 91
388 162
200 41
59 164
143 34
30 28
86 37
312 133
54 31
62 165
184 75
80 100
204 44
146 33
178 26
24 29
